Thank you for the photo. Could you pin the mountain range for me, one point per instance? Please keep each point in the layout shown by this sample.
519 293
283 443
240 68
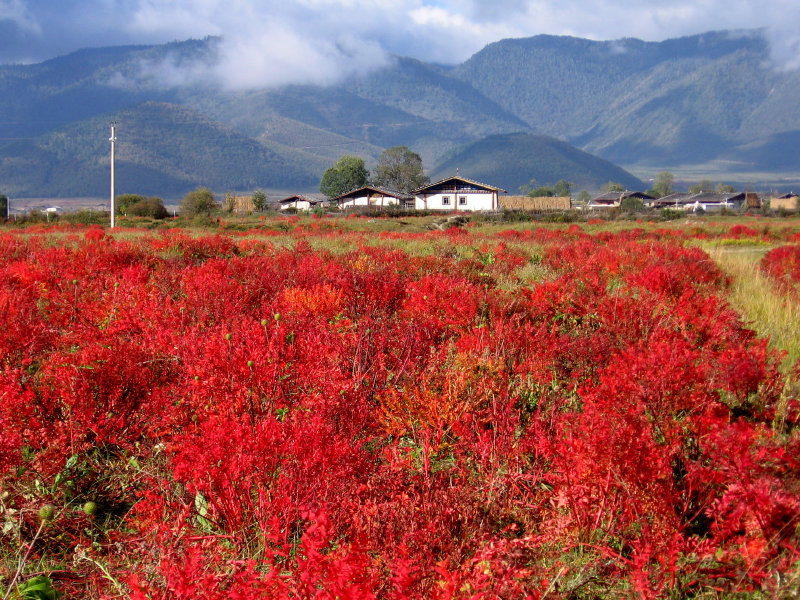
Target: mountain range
542 108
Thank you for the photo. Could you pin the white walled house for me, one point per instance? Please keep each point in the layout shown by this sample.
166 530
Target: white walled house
303 202
374 197
457 194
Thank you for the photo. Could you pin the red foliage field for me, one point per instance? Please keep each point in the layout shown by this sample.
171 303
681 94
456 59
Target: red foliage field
782 264
253 421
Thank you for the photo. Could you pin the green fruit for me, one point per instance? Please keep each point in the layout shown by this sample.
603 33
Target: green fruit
264 322
250 363
227 336
90 507
47 512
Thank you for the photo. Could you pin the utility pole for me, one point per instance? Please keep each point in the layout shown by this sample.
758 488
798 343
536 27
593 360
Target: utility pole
112 139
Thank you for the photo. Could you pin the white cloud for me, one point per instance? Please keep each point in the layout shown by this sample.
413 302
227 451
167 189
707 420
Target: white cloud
277 41
16 12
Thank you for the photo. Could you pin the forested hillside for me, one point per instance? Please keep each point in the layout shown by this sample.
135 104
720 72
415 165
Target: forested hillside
711 99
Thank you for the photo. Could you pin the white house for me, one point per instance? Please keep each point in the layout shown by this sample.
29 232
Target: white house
374 197
303 201
457 194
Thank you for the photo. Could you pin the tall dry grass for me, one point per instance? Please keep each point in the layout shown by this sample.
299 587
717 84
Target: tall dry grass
767 310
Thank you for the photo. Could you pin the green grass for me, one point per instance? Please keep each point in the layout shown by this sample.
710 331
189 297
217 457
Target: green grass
768 311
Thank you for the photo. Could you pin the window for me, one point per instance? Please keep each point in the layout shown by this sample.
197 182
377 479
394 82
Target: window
446 200
462 200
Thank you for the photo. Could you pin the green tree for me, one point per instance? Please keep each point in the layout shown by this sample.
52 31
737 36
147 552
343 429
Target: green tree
704 185
540 191
663 185
584 197
230 202
259 200
400 169
613 186
725 188
152 207
563 188
347 174
123 201
3 206
198 202
533 190
631 204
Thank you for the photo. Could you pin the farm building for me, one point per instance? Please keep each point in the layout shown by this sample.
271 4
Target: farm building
303 202
614 199
374 197
790 201
706 201
457 194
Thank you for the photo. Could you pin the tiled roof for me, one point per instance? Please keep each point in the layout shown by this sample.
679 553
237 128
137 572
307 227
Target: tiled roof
313 198
459 178
374 189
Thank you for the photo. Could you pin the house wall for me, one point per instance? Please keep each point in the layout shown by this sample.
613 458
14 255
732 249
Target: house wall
297 205
367 200
792 203
474 201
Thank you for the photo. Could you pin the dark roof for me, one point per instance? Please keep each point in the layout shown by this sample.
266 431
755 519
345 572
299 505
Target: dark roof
718 197
676 198
786 196
620 196
458 178
314 198
371 189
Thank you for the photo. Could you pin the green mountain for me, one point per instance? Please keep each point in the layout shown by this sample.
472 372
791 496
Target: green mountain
162 149
711 99
676 102
514 159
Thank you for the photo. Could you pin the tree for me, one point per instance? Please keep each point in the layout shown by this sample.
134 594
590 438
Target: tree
563 188
725 188
148 207
3 206
533 190
613 186
229 203
663 184
259 200
123 201
584 197
631 204
541 191
400 169
347 174
198 202
704 185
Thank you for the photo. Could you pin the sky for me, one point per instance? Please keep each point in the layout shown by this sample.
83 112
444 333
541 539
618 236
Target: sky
272 42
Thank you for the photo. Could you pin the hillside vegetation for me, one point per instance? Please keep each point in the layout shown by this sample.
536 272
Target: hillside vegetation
711 99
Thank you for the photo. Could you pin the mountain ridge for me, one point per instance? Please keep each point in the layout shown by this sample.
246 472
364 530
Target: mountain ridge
646 105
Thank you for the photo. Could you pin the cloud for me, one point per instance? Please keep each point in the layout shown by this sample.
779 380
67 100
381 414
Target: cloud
267 42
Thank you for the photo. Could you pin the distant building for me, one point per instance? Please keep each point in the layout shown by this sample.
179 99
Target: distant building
790 201
705 201
371 196
457 194
614 199
303 202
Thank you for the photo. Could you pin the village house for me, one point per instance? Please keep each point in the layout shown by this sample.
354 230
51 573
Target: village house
374 197
457 194
790 201
614 199
303 202
705 201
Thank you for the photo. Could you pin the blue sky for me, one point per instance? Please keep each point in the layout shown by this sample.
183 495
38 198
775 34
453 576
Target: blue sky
277 41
